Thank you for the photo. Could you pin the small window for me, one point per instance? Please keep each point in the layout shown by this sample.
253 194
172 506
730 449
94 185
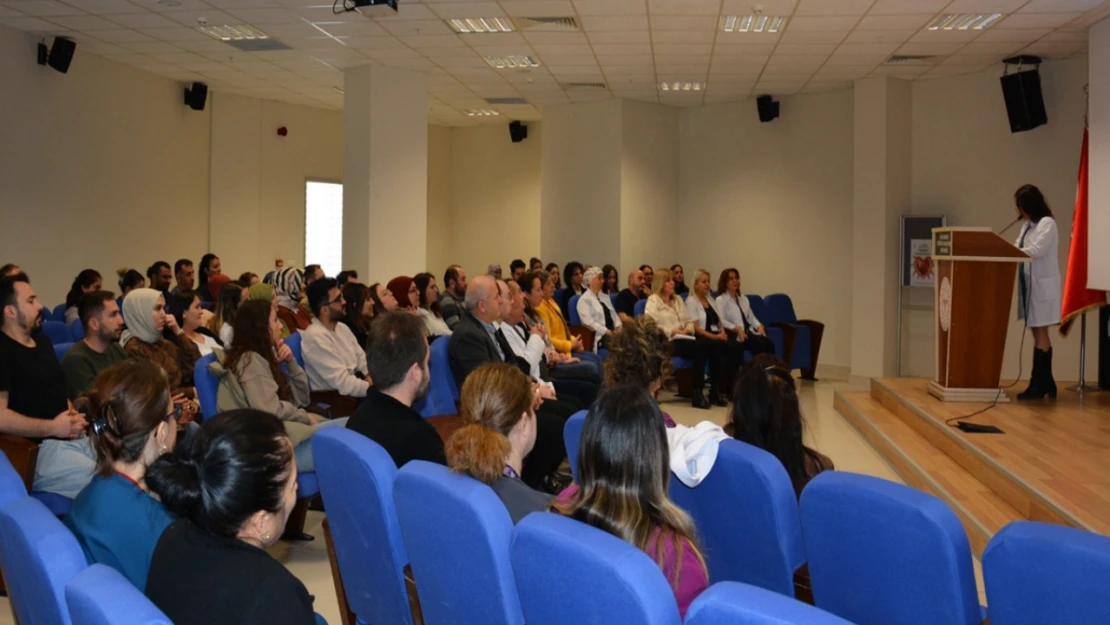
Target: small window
323 226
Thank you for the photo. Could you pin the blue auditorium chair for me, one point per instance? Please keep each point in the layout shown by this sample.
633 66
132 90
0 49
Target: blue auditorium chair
57 332
1038 573
805 346
356 478
294 343
76 330
457 535
207 385
569 572
39 556
442 392
746 513
60 350
638 308
59 313
882 553
733 603
572 439
101 596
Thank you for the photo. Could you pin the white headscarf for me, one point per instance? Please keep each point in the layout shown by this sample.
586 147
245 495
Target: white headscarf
589 275
138 312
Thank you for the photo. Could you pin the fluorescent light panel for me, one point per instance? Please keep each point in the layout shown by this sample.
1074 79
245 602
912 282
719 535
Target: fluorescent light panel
964 21
753 23
681 85
469 25
512 62
237 32
480 113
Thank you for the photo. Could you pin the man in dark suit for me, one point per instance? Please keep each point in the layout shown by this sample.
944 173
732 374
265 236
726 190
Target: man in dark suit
475 342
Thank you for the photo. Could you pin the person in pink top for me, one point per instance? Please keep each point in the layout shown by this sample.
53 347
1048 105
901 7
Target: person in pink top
623 478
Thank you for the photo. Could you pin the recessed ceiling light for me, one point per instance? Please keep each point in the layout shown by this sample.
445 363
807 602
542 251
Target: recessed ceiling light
681 85
480 113
481 25
512 62
238 32
752 23
964 21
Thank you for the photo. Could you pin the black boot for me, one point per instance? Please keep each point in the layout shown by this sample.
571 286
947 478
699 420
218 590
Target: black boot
715 397
1034 391
698 400
1048 383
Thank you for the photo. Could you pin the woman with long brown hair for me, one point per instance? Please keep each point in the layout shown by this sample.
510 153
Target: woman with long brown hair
132 423
232 295
623 480
497 403
640 356
358 310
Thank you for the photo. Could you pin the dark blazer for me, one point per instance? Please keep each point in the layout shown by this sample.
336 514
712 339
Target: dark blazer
398 428
471 347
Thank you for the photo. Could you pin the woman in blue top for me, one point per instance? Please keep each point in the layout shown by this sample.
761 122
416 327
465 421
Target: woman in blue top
132 422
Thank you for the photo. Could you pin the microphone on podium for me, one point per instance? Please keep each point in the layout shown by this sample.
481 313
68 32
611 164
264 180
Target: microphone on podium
1012 224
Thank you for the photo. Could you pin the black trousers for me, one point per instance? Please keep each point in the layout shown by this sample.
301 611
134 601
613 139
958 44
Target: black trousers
734 354
581 385
549 451
703 352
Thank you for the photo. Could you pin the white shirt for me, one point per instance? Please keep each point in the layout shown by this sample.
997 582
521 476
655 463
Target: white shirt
1042 275
331 358
734 312
591 313
696 313
206 345
667 317
531 350
227 333
433 324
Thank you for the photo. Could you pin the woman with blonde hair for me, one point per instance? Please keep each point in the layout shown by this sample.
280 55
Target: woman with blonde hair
709 324
623 480
669 313
497 403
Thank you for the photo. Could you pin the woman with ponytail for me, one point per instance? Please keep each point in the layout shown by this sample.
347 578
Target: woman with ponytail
87 281
765 413
624 475
497 404
232 485
132 423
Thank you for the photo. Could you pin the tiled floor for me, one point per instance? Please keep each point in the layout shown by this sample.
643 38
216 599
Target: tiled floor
827 432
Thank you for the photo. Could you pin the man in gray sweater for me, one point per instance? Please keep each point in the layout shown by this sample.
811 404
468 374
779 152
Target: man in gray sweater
453 300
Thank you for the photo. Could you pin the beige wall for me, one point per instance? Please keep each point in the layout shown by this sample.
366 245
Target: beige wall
775 201
101 167
439 200
967 164
649 186
1099 78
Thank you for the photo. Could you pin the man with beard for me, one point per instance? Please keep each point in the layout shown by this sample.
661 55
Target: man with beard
398 362
452 302
333 359
33 400
100 348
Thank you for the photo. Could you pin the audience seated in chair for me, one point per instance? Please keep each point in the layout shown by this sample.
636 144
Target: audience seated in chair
573 283
232 295
335 362
610 281
498 406
649 280
397 359
405 292
209 266
185 275
129 280
550 312
627 298
737 316
189 317
159 276
429 308
100 348
148 326
345 277
383 299
260 372
133 422
516 269
33 402
86 282
552 270
312 273
596 308
709 325
766 413
452 302
535 264
623 480
10 269
247 279
669 313
358 311
262 292
288 288
232 486
679 277
640 356
533 286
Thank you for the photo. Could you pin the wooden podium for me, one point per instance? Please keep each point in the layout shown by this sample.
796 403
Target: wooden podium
975 274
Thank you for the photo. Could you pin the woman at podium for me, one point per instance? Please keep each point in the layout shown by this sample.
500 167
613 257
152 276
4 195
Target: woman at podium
1039 288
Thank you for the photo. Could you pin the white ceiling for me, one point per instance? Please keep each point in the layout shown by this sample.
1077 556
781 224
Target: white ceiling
630 45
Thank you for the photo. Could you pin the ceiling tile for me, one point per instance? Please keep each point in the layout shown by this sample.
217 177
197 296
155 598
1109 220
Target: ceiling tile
880 49
770 7
813 36
683 36
1060 6
407 11
448 10
1014 34
805 48
901 71
84 22
1055 50
1036 20
122 36
894 22
976 60
178 5
432 41
192 18
931 49
179 34
683 7
43 8
896 7
417 27
538 8
106 7
151 47
563 39
705 23
608 49
142 20
880 36
951 36
833 7
984 6
355 29
1062 36
821 23
610 7
598 24
991 47
683 48
852 59
262 17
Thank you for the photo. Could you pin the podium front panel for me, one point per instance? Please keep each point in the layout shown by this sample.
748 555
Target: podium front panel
973 302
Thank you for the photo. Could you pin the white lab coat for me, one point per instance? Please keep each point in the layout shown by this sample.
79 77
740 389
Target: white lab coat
696 313
591 315
1042 275
734 311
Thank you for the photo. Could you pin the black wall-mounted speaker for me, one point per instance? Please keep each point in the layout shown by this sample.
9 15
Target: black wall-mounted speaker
196 95
61 54
518 132
1024 102
768 108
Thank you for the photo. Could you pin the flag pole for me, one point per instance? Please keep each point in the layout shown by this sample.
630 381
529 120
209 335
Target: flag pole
1082 387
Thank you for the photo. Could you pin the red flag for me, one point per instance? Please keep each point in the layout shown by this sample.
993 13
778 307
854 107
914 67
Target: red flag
1078 299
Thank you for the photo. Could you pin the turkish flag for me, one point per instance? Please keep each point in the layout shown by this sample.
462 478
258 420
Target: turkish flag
1078 299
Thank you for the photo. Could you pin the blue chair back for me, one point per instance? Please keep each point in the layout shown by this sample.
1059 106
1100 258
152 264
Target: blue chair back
76 330
733 603
442 392
208 387
60 350
569 572
356 478
40 556
572 314
639 307
56 331
1038 573
558 297
882 553
457 534
759 308
779 309
11 484
101 596
572 438
294 343
746 513
613 298
59 313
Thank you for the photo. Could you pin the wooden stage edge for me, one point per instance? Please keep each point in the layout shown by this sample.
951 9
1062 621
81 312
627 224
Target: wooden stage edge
1048 465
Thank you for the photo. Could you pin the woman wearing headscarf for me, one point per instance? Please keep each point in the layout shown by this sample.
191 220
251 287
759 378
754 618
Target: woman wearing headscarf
288 285
264 292
404 289
154 336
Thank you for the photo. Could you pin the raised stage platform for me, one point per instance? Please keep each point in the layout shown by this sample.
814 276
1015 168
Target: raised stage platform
1052 463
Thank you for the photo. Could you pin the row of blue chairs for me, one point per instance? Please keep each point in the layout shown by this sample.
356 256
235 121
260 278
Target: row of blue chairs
58 332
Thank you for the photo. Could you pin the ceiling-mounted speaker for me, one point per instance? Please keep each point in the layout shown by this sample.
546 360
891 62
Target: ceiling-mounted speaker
1022 92
768 108
60 54
196 95
518 132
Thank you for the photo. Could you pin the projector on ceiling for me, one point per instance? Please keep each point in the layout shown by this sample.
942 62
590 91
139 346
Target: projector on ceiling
375 8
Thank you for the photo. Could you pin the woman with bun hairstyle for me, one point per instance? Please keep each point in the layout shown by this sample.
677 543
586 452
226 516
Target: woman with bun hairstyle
497 404
232 485
132 423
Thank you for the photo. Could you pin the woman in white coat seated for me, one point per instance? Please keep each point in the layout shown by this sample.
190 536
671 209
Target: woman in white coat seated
595 309
668 311
708 324
1039 288
736 314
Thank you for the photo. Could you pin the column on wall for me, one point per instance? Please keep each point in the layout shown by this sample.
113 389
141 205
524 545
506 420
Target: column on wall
1099 118
385 170
881 194
235 175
